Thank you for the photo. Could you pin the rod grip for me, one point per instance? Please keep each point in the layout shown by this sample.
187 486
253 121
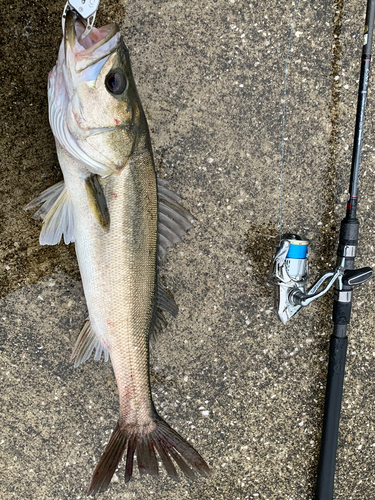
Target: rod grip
332 409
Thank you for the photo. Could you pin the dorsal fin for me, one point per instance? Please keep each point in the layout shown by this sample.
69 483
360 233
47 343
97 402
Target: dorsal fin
173 223
174 220
163 302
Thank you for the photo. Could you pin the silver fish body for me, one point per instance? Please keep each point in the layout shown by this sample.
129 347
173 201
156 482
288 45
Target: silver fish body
122 220
118 269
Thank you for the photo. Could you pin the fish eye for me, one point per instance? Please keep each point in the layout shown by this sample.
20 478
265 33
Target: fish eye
116 83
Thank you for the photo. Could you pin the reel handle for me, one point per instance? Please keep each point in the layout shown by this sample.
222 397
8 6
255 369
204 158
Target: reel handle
356 276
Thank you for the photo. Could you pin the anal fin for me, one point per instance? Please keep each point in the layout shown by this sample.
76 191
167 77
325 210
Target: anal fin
86 342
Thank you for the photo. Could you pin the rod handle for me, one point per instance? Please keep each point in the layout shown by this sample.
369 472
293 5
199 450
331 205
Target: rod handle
332 409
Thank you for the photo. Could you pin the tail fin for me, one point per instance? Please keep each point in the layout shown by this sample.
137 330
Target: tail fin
166 441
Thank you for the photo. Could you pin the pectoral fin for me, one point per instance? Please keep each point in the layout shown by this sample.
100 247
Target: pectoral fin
97 201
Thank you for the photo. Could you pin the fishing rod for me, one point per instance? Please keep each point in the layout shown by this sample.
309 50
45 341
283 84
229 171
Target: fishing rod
289 276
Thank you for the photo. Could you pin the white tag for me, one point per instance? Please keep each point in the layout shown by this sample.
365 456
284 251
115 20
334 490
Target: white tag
85 8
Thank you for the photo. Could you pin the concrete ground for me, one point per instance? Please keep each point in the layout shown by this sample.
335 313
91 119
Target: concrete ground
247 391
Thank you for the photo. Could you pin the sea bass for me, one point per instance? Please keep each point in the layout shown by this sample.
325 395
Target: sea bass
122 220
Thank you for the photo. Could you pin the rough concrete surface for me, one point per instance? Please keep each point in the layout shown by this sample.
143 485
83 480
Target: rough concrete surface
211 78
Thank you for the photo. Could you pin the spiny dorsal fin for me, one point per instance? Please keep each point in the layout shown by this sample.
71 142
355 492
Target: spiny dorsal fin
56 213
86 342
174 220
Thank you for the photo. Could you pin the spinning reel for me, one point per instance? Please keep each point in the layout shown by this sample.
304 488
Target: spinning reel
289 276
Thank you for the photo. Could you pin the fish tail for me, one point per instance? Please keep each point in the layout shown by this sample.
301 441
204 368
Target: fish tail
161 439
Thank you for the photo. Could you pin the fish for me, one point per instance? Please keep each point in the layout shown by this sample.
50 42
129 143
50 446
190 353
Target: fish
122 219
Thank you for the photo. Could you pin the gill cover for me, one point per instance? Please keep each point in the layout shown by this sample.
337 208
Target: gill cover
96 126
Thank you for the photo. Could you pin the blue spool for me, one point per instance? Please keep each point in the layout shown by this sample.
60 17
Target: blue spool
298 249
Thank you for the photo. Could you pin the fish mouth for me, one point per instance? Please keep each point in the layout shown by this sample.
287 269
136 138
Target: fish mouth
99 43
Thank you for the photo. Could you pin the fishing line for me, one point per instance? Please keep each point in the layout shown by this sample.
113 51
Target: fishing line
284 109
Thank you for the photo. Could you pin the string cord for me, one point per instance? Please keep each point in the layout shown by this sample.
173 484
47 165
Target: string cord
284 110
